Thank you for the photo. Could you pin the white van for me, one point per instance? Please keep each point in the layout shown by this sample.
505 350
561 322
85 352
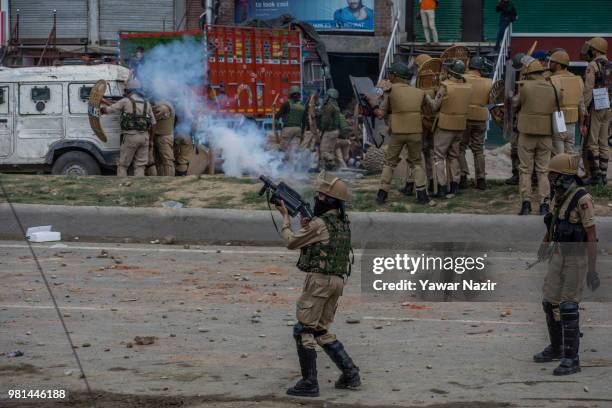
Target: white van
44 124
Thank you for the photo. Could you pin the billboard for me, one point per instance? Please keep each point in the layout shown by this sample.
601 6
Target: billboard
324 15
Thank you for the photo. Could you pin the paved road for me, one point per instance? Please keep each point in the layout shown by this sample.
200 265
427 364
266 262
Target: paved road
222 318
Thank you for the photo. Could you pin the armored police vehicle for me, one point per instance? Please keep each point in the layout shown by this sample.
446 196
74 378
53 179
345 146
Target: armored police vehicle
44 125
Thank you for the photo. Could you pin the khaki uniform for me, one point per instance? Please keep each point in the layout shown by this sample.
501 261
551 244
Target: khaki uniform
134 148
566 274
316 307
597 150
183 149
452 101
403 105
476 128
330 130
164 138
572 106
293 114
536 103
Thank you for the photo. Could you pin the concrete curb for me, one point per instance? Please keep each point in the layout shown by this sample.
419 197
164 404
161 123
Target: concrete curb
191 225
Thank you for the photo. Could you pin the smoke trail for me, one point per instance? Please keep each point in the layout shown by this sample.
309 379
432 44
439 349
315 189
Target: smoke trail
176 72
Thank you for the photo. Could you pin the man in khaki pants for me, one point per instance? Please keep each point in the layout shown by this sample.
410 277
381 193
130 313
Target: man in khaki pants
330 129
325 248
598 75
164 137
572 104
476 129
136 120
293 114
403 105
452 101
535 103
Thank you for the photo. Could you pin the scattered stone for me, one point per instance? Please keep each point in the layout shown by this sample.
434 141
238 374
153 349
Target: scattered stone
396 389
586 389
68 373
244 355
145 340
66 315
127 183
262 335
203 330
16 353
106 349
186 246
114 309
103 254
129 345
199 309
593 350
172 335
155 241
290 323
255 320
40 344
168 240
28 333
428 367
86 345
214 318
353 321
377 327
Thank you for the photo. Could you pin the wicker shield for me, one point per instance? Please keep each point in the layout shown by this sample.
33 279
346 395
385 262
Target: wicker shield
93 108
496 97
459 52
428 79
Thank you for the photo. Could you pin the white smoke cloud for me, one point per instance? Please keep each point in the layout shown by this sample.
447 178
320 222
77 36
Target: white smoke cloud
176 72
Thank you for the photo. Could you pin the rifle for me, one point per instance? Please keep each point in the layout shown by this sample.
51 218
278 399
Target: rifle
361 88
548 253
282 192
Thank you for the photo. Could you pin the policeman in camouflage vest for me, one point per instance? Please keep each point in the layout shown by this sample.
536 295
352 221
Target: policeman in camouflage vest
535 103
293 114
476 128
452 101
570 247
325 251
137 119
572 104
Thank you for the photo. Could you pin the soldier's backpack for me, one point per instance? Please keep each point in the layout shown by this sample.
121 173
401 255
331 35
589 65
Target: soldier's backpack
134 121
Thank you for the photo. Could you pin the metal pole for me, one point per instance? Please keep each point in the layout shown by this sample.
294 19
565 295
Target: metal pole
209 12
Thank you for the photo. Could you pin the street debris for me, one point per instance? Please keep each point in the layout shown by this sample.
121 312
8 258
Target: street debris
42 234
353 321
16 353
172 204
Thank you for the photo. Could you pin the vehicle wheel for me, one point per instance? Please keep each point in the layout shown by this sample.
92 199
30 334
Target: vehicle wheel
76 163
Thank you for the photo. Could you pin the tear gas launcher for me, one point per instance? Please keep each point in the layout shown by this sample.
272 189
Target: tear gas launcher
276 193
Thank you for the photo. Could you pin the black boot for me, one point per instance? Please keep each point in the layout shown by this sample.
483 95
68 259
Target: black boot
430 186
349 379
481 184
603 179
526 208
570 330
553 351
422 196
512 181
463 182
381 197
180 173
408 189
308 385
442 191
454 188
544 209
